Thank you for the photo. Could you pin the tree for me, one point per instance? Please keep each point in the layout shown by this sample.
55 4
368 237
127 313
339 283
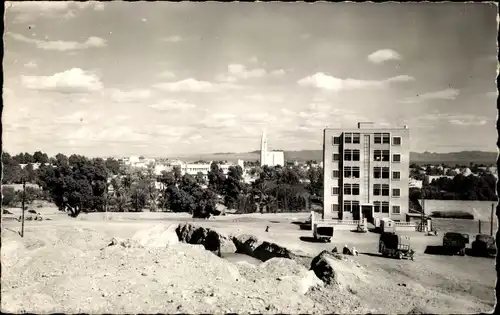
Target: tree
29 173
40 157
12 171
61 159
216 178
9 197
113 166
205 204
232 186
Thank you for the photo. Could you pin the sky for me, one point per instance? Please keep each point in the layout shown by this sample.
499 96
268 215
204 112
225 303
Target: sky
160 79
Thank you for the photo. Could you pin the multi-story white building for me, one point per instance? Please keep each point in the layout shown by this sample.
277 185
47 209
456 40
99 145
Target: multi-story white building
270 158
366 173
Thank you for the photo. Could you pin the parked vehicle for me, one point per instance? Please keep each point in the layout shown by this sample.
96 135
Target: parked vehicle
484 245
387 225
323 233
394 245
455 243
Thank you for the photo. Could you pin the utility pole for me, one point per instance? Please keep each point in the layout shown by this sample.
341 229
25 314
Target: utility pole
22 205
491 219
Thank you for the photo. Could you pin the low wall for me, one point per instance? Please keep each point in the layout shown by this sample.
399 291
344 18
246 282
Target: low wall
408 228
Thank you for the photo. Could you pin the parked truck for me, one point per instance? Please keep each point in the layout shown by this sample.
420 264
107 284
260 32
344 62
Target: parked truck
394 245
322 233
484 245
455 243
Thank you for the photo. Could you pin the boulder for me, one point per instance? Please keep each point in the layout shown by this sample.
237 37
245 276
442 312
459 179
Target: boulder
210 239
252 246
324 267
159 235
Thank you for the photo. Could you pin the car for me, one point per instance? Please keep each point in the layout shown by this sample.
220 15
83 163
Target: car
455 243
484 245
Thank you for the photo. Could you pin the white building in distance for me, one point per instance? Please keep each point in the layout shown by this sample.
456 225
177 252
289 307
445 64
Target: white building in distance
272 158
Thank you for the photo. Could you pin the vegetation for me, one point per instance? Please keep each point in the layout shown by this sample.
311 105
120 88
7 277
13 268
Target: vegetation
452 215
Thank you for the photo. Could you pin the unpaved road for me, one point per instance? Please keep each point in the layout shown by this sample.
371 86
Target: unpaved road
59 267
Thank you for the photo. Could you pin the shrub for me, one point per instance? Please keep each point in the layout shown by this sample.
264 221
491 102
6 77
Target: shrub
9 197
453 215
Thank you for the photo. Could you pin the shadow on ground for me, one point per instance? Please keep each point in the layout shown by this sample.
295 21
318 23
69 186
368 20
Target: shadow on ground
371 254
310 239
437 250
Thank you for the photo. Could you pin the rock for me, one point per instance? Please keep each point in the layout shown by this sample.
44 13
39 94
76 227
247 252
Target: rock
323 267
252 246
310 281
210 239
159 235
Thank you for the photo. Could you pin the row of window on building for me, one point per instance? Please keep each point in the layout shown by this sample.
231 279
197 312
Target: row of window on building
378 172
378 207
378 138
378 155
378 190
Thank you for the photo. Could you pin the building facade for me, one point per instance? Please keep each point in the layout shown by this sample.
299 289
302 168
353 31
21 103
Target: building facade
272 158
366 173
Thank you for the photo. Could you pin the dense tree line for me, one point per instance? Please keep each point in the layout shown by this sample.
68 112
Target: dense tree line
481 188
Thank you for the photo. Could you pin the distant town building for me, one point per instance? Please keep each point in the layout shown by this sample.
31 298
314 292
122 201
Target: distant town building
366 173
272 158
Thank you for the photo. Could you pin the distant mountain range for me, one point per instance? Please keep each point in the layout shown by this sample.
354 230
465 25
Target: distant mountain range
461 158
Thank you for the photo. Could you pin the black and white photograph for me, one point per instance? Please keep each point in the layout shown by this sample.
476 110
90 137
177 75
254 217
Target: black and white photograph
249 157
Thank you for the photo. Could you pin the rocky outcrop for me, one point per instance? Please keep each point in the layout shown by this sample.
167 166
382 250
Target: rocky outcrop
263 250
210 239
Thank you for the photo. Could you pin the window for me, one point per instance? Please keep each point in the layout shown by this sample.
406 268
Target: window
396 158
355 189
336 140
335 208
377 206
396 141
336 174
386 138
336 157
351 189
381 172
356 138
377 138
396 209
377 190
335 191
351 155
396 192
381 155
385 207
351 206
347 137
385 189
396 175
351 171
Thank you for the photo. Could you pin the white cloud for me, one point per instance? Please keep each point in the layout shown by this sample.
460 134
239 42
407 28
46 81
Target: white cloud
110 134
278 72
167 74
32 64
446 94
239 71
323 81
27 11
223 116
70 81
259 97
258 118
453 119
75 118
383 55
61 45
172 105
118 95
193 85
172 39
144 20
253 59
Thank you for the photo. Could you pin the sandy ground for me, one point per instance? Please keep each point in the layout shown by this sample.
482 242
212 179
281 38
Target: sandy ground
61 266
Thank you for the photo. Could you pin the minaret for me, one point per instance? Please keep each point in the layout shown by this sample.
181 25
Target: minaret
263 149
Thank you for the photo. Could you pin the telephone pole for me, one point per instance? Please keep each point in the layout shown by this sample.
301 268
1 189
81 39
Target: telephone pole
22 205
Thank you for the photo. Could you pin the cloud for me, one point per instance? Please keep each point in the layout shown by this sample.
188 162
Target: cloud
383 55
167 75
193 85
31 65
79 117
110 134
323 81
446 94
144 20
120 96
259 97
172 105
74 80
172 39
253 59
258 118
453 119
278 72
28 11
238 71
60 45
